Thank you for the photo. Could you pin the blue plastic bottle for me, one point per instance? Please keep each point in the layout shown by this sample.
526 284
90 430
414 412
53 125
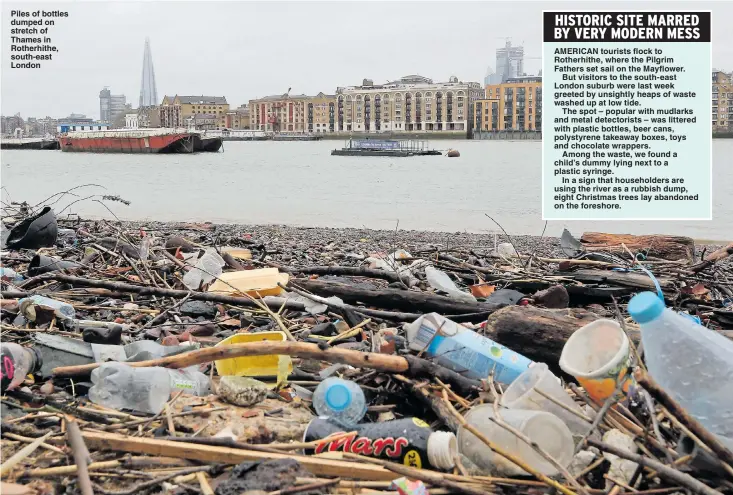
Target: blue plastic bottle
341 400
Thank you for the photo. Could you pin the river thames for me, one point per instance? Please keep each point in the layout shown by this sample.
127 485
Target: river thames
300 183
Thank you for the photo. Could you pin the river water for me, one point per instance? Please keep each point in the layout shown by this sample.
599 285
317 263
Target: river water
300 183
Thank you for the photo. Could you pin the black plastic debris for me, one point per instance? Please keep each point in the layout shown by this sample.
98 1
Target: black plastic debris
34 232
44 264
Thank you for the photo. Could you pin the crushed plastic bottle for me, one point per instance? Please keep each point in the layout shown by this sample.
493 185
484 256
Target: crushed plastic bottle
120 386
10 275
441 281
145 248
693 364
464 351
29 306
17 362
207 268
341 400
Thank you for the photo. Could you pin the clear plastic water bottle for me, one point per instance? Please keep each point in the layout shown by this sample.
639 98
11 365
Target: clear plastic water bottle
693 364
119 386
341 400
62 310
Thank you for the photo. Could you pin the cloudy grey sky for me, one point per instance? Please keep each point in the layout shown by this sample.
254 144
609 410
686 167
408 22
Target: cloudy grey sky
244 50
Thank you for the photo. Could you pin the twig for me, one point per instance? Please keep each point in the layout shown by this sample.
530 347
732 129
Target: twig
204 483
144 486
23 439
692 423
81 456
505 233
19 456
564 406
655 423
664 471
160 317
171 426
305 488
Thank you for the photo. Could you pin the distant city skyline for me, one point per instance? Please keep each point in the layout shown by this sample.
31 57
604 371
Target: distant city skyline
307 46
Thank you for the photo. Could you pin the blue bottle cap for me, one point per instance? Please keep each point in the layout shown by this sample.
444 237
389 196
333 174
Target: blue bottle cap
645 307
338 397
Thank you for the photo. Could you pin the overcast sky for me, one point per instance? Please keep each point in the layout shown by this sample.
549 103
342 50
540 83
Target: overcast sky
245 50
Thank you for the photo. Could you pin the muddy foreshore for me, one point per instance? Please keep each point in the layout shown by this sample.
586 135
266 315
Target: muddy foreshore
290 243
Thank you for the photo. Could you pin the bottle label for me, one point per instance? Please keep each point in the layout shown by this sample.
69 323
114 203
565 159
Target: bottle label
7 370
473 355
183 384
404 440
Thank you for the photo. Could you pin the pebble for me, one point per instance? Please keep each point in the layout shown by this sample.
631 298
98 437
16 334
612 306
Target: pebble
198 308
242 390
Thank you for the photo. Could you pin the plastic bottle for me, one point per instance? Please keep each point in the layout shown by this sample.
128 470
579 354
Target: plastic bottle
464 351
206 269
408 441
120 386
341 400
16 362
441 281
145 350
693 364
10 275
545 429
61 309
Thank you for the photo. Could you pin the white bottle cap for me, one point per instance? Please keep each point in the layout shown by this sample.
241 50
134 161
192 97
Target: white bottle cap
442 450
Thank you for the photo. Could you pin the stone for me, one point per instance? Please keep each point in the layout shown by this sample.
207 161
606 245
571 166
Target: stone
555 297
198 308
242 390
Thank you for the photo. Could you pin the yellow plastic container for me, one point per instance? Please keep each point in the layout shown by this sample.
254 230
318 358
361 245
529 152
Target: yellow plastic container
270 365
257 283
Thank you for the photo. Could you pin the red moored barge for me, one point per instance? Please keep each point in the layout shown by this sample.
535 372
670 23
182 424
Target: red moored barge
129 141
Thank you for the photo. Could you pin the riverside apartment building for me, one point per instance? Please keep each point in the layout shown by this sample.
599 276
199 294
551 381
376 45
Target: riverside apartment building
722 101
180 111
513 105
411 104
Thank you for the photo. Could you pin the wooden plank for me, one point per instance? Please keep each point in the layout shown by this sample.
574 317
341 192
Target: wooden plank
226 455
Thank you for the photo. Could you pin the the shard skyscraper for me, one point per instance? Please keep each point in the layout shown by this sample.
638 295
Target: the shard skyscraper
148 92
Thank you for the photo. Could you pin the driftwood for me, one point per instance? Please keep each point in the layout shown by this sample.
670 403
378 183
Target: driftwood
394 298
224 455
540 334
537 333
409 365
669 247
122 287
713 258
